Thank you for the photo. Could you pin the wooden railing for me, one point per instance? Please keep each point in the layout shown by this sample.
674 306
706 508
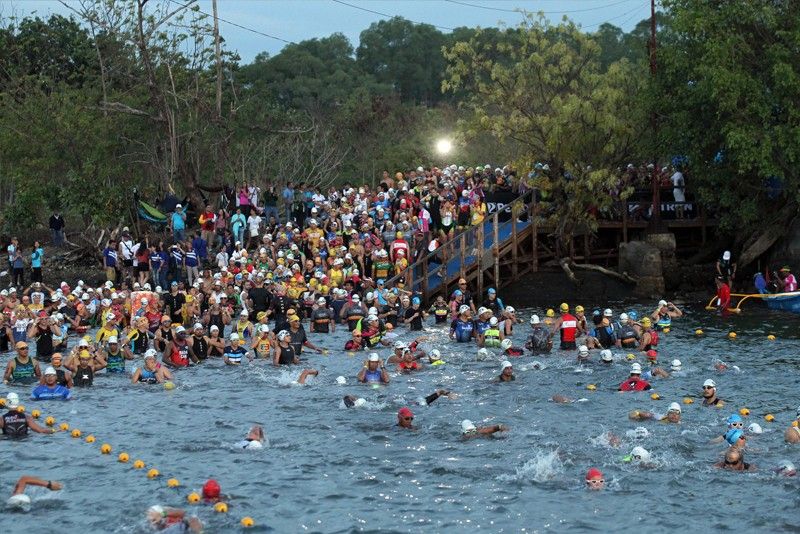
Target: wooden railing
469 246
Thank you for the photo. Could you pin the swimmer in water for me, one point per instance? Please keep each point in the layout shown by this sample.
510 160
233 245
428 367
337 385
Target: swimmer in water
161 518
640 456
374 371
405 419
506 373
734 461
792 434
469 430
18 496
305 374
734 422
673 415
254 440
710 394
351 401
594 479
151 372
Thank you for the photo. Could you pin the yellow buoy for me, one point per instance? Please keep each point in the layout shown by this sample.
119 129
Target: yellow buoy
50 421
688 400
123 458
631 357
771 337
221 508
64 427
665 330
169 385
76 433
655 396
193 498
698 332
351 354
138 464
732 335
173 483
795 423
247 522
36 414
744 412
591 387
769 418
2 403
153 473
90 439
105 448
21 409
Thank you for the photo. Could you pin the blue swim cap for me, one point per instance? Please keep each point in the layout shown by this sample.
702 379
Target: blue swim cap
595 313
491 290
415 300
633 315
735 418
381 281
457 293
733 435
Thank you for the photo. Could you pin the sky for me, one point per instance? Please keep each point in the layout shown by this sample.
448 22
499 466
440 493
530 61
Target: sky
297 20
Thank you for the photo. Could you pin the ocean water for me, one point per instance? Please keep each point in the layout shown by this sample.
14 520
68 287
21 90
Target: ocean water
332 469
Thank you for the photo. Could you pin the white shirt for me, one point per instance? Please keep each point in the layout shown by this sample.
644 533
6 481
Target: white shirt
253 222
678 187
222 259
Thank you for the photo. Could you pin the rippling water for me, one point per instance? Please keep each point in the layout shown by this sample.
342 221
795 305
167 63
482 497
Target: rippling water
330 469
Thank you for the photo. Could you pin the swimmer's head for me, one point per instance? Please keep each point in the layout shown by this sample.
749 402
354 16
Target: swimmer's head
155 514
639 454
583 352
564 307
786 468
606 356
435 355
482 354
755 428
467 427
340 380
20 500
359 403
535 320
646 322
505 344
675 365
735 420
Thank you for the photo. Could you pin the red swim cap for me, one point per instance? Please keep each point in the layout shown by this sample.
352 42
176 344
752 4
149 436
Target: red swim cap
652 354
594 473
211 489
405 412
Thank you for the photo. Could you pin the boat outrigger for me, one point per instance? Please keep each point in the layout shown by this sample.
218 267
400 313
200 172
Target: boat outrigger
775 301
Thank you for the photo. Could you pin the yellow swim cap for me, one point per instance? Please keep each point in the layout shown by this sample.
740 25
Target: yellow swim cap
551 313
564 307
646 322
579 309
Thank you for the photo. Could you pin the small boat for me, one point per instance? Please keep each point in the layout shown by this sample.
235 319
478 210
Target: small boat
775 301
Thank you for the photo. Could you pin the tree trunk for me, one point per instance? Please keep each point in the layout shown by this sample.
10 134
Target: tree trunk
761 241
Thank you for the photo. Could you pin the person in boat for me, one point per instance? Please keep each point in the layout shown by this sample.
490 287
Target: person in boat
788 280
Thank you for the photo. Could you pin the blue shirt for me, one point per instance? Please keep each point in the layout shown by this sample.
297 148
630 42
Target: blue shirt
110 256
201 247
235 355
36 258
45 392
155 261
177 221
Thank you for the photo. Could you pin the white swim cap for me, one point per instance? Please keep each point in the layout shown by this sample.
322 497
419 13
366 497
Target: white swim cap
12 400
467 426
341 380
583 350
675 407
639 432
640 454
360 402
151 353
606 355
636 369
482 354
623 317
19 501
493 321
505 344
505 365
435 354
535 319
255 444
755 428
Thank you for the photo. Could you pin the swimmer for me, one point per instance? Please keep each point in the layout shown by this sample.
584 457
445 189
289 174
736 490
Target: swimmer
735 422
736 438
50 390
710 394
734 461
635 382
408 362
539 341
673 415
792 434
15 424
509 349
374 371
351 401
583 354
254 440
405 418
151 372
435 357
786 469
606 357
639 455
234 351
305 374
430 399
161 518
594 479
469 430
506 372
18 496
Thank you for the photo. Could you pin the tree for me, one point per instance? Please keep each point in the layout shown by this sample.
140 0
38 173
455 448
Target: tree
405 55
550 96
727 97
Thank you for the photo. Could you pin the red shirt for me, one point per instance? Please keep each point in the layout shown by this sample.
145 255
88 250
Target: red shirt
724 296
634 383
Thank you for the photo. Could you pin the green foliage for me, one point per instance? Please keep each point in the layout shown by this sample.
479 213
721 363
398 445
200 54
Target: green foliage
729 82
550 95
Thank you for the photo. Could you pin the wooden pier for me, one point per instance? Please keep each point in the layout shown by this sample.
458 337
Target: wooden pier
514 242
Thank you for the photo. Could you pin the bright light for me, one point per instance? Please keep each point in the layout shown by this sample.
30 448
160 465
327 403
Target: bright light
444 146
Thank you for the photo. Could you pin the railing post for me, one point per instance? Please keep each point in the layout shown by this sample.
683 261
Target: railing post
496 248
514 267
424 269
625 221
479 246
534 233
462 268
